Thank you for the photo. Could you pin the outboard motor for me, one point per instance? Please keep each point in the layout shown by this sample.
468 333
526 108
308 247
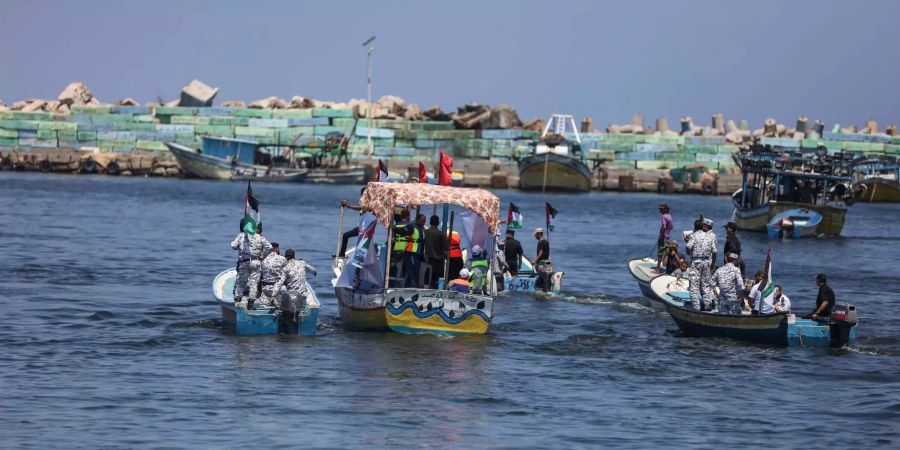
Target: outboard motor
291 306
843 318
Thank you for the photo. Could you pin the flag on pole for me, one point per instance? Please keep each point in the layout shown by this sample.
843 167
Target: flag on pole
514 219
382 174
445 177
767 285
251 211
423 174
551 214
361 255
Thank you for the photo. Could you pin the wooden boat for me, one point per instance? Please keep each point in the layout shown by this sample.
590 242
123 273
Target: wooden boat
526 280
879 179
880 189
346 175
643 270
261 320
417 310
774 182
556 163
794 224
668 289
232 159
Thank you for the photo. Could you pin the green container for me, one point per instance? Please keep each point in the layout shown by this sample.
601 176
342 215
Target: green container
677 140
233 121
501 152
142 118
322 131
87 109
343 122
292 114
117 145
151 146
215 130
895 139
9 142
727 149
175 111
140 127
892 149
700 148
430 125
6 115
6 133
67 135
253 112
190 120
255 131
107 119
324 112
657 164
87 135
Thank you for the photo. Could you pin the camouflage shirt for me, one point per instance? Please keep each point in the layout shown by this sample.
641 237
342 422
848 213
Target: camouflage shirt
250 246
729 280
295 275
701 244
272 269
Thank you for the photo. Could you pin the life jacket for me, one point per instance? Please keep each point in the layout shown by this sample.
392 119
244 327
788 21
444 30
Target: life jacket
413 241
400 240
455 250
460 285
479 263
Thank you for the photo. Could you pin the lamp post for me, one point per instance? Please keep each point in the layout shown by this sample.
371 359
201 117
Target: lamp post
369 49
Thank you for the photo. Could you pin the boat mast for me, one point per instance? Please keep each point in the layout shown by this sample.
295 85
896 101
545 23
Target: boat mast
369 50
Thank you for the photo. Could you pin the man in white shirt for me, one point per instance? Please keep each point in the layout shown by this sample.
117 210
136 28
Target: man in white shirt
781 302
759 303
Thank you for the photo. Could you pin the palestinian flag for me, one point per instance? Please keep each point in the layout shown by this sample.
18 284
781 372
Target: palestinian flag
362 256
551 214
251 211
382 174
767 285
514 219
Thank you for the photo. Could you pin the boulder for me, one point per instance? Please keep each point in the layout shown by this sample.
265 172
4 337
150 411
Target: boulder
128 101
63 109
299 102
198 94
435 113
413 112
270 103
34 105
388 101
52 106
233 104
76 93
17 106
504 117
3 107
173 103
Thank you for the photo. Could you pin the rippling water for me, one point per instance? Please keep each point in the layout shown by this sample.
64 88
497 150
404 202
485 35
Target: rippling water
110 337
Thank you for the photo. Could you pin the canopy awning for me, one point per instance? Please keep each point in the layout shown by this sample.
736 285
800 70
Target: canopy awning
381 198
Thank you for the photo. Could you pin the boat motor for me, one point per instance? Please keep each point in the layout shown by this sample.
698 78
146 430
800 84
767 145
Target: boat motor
843 318
291 305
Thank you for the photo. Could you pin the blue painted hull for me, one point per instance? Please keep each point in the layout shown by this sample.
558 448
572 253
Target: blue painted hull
526 283
243 322
805 224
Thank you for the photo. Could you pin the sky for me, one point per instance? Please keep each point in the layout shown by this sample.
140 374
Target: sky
838 61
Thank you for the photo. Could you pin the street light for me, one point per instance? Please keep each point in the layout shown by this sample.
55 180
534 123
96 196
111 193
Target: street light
369 50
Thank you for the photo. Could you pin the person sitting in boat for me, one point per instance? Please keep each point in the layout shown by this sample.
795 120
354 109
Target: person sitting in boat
251 248
825 300
682 269
461 283
271 275
759 303
354 232
665 233
295 274
672 259
729 280
478 270
781 302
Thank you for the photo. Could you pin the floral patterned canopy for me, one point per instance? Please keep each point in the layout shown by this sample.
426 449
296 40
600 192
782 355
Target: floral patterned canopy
381 198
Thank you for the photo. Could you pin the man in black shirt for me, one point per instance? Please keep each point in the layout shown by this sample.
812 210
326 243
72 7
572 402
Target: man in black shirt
825 299
541 254
512 252
733 245
435 250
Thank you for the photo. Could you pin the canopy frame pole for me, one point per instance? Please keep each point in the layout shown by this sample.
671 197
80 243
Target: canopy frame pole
546 164
449 243
390 250
340 235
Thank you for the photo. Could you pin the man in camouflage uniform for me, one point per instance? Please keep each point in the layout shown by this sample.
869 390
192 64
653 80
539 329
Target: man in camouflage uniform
729 280
295 273
251 248
701 245
271 275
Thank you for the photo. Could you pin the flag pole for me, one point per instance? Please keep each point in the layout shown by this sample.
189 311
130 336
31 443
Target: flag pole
340 235
449 243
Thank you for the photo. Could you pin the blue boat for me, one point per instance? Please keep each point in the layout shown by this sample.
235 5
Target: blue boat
781 329
526 280
234 159
261 320
794 224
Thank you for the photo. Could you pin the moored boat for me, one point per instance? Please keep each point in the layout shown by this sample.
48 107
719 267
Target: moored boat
556 162
794 224
264 320
879 179
232 159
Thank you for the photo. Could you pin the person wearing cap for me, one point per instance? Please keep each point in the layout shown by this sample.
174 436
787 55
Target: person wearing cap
729 280
541 254
271 275
701 245
295 274
672 259
733 245
512 252
461 283
415 249
665 233
402 230
825 300
251 248
478 270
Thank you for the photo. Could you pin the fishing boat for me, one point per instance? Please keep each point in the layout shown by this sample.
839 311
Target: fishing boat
526 280
361 296
556 162
222 158
264 320
643 270
669 289
781 329
879 179
777 181
794 224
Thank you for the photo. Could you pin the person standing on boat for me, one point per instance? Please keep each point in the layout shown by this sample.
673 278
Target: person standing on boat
825 300
354 232
665 233
701 245
271 274
455 255
295 274
729 280
478 270
251 248
435 250
541 254
733 245
512 252
401 238
415 249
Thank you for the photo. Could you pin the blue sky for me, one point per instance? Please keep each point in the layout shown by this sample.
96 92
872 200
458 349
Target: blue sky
834 60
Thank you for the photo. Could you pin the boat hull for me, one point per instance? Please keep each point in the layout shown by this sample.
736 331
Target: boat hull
564 173
361 310
414 311
197 165
763 329
757 219
239 320
337 176
527 282
879 190
805 224
640 270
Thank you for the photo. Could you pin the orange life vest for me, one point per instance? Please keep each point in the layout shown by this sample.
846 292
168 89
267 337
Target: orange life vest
455 250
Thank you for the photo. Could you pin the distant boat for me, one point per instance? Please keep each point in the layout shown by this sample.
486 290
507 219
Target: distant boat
557 161
794 224
232 159
526 280
775 181
268 320
879 179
